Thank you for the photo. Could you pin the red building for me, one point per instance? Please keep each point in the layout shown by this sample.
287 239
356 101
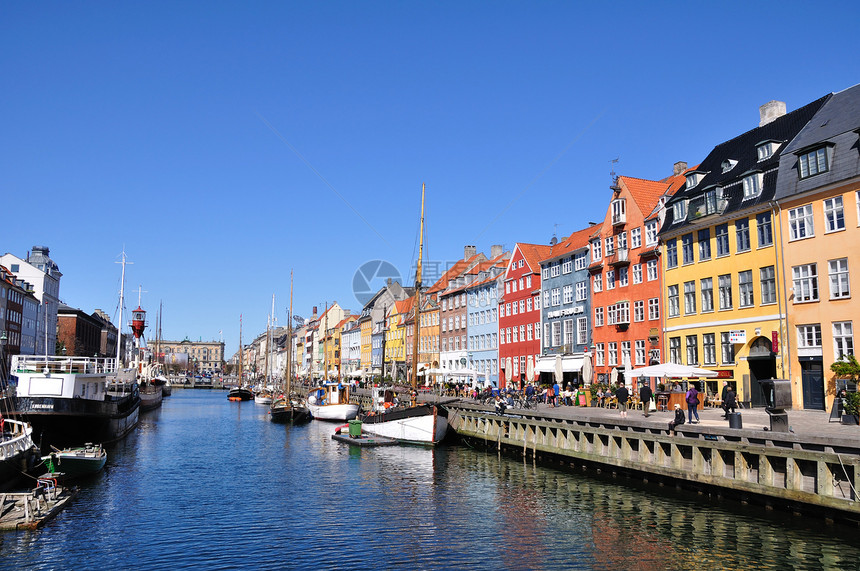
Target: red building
625 275
520 316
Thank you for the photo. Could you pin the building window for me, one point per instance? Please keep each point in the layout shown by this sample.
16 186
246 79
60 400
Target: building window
725 285
687 248
834 217
800 224
546 301
537 302
654 308
597 282
637 273
635 237
581 330
689 297
556 333
704 244
707 286
809 336
675 350
722 236
609 245
672 253
728 350
598 354
545 273
640 351
523 305
595 250
652 270
581 291
537 331
528 281
515 334
752 185
673 307
764 229
679 210
843 339
692 350
839 278
556 296
813 163
581 260
622 277
766 150
598 316
622 240
529 304
768 285
709 349
639 310
610 279
554 270
805 282
567 294
613 353
567 266
745 288
652 227
625 352
742 232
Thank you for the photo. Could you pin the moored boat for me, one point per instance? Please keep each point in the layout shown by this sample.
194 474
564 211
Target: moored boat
289 411
72 400
18 453
240 394
75 462
330 401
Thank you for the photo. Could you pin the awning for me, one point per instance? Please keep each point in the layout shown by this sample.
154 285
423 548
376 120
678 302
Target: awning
568 364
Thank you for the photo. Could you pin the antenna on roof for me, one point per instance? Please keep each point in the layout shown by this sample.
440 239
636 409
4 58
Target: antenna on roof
612 176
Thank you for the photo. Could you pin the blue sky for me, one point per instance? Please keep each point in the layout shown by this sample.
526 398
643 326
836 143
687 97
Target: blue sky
222 144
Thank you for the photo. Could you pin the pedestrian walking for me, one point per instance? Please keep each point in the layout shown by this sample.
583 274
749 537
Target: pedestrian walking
645 395
730 402
622 395
692 404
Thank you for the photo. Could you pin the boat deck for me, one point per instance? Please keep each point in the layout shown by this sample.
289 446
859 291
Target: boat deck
364 440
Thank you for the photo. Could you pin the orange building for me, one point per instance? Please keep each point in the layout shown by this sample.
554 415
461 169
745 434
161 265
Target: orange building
625 275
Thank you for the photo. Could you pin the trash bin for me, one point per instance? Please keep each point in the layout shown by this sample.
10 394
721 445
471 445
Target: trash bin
354 428
735 420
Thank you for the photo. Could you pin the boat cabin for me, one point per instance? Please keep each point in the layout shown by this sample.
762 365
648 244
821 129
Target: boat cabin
59 377
329 393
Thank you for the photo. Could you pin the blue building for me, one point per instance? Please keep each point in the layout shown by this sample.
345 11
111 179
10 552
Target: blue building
566 306
482 312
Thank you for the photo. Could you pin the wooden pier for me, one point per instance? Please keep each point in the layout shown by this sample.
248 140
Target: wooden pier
781 469
32 510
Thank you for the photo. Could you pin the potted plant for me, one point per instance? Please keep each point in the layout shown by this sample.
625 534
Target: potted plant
848 368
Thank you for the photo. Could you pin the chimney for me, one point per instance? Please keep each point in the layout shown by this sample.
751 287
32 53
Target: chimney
496 250
679 167
314 316
388 282
771 111
469 251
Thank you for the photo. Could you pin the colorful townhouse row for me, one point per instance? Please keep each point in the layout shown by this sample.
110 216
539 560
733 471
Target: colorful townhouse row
741 264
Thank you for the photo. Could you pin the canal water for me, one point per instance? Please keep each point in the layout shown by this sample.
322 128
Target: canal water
204 483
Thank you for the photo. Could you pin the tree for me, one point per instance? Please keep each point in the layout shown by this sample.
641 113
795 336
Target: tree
848 368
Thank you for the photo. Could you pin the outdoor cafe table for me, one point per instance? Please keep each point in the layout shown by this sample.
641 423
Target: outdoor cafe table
680 398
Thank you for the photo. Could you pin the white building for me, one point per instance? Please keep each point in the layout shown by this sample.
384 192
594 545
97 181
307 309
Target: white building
44 275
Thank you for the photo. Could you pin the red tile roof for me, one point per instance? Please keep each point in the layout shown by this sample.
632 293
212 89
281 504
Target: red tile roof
533 254
575 241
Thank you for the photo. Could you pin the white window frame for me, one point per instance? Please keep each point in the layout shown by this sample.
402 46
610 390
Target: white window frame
843 339
752 185
639 310
805 282
840 286
652 228
597 282
674 305
801 224
640 351
637 273
598 317
809 336
834 215
652 270
653 308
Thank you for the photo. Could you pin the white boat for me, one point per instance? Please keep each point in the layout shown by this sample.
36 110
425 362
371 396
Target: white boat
17 451
415 423
330 401
424 424
263 397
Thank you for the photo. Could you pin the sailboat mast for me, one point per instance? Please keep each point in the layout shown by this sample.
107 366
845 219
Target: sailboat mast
325 341
290 340
266 356
241 350
416 330
121 303
271 346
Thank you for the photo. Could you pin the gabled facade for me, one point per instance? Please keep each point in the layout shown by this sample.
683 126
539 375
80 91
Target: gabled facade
519 315
625 280
482 302
40 271
720 259
818 192
566 305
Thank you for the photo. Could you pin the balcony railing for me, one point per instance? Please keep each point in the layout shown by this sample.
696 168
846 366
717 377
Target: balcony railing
620 257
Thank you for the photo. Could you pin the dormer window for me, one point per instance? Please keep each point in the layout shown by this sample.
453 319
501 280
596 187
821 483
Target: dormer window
679 210
693 179
814 162
766 149
752 185
729 164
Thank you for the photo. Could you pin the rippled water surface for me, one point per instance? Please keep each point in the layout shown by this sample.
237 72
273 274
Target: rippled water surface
209 484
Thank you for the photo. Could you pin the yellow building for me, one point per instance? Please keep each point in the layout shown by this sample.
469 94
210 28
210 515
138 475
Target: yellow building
818 192
428 342
721 260
366 342
395 338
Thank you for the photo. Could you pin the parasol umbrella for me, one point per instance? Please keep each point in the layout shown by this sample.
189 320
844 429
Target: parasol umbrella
613 376
530 370
587 369
509 369
559 374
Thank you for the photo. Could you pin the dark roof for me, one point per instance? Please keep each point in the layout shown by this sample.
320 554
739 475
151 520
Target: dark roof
743 150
